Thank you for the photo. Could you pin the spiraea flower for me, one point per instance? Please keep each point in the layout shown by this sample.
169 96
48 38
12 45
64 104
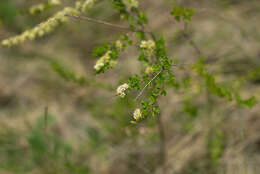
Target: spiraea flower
102 61
137 114
98 65
41 29
49 25
149 70
105 62
119 45
122 89
148 46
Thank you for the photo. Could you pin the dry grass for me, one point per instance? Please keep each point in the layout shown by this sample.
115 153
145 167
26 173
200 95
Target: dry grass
229 37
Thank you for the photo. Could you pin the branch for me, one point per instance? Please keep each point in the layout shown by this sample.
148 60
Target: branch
99 22
45 119
106 23
141 92
162 150
193 44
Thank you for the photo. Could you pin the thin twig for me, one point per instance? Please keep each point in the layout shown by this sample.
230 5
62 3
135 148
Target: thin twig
200 53
162 150
106 23
181 64
100 22
143 27
197 49
193 44
45 119
141 92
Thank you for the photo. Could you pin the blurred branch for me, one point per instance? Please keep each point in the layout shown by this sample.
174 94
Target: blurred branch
45 119
192 43
107 23
100 22
162 151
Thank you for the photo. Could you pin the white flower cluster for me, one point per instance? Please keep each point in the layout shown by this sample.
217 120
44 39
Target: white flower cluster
47 26
105 60
137 114
148 46
42 28
121 90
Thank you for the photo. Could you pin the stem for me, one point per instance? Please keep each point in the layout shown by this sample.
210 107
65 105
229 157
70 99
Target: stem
45 119
107 23
199 53
100 22
141 92
193 44
162 147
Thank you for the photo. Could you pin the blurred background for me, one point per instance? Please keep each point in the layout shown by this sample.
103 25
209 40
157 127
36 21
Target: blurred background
52 123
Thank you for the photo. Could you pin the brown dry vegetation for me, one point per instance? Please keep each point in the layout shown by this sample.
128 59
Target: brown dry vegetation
226 32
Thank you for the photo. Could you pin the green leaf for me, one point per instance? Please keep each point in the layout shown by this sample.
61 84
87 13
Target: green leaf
135 82
181 13
100 50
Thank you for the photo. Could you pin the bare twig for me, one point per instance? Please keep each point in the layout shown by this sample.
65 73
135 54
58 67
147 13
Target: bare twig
193 44
162 150
100 22
141 92
45 119
106 23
